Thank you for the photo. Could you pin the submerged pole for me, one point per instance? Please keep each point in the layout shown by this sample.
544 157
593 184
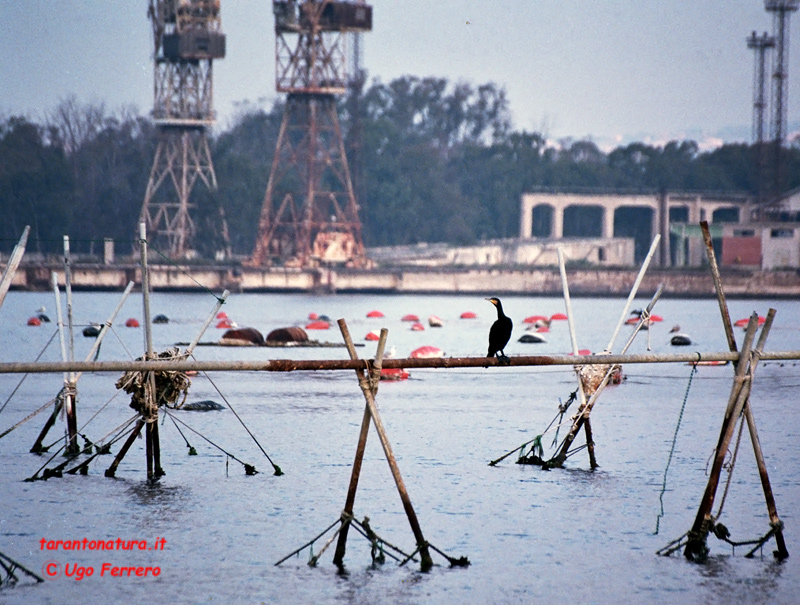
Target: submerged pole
347 513
696 544
150 411
766 486
363 380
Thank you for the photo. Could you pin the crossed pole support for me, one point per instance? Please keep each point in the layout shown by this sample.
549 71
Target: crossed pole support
369 386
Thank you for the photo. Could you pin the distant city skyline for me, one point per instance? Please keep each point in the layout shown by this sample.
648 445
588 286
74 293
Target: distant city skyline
613 72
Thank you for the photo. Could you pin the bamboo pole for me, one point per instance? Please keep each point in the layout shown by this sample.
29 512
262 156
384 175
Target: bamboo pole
574 339
422 545
68 401
304 365
586 410
634 290
150 411
107 325
13 263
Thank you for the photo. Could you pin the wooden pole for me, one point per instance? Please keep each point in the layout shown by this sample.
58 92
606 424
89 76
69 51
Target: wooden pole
112 470
696 543
574 339
347 513
150 411
70 390
584 411
13 263
422 545
772 509
634 290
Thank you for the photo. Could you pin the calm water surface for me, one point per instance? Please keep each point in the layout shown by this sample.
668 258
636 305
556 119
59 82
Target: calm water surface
565 535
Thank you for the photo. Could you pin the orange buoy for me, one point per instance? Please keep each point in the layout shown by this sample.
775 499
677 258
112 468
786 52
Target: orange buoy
132 323
558 316
426 352
34 321
372 336
410 317
534 318
318 325
469 315
418 327
375 313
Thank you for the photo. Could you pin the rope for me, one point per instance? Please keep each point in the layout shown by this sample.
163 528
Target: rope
672 448
192 451
28 417
278 472
169 384
249 469
19 384
169 261
730 468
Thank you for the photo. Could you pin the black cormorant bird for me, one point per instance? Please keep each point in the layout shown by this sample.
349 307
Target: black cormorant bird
499 333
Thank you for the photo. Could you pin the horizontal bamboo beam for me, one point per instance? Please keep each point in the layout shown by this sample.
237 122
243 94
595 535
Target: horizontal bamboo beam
290 365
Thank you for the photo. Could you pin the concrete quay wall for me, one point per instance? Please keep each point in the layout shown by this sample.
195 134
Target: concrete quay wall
523 281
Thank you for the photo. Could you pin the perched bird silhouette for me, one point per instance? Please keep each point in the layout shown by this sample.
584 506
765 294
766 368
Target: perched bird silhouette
499 333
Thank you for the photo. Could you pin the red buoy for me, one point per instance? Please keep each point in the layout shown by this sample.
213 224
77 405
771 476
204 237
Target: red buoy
222 315
394 374
132 323
225 323
418 327
313 316
558 316
469 315
410 317
372 336
318 325
375 314
34 321
426 352
534 318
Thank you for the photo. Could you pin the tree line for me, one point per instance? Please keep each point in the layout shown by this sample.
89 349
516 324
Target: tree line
433 161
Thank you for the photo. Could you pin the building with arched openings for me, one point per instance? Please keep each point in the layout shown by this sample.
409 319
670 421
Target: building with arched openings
560 215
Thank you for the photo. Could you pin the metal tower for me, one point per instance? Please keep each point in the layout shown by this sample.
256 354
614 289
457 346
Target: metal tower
310 214
781 10
187 37
760 45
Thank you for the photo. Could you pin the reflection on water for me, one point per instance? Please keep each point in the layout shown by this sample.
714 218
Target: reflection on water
565 535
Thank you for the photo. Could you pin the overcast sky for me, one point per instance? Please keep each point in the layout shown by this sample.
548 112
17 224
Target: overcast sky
610 70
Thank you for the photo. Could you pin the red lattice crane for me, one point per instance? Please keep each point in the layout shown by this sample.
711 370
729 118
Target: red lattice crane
310 214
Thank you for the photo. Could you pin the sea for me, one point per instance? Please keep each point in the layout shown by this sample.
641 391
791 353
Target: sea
208 532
